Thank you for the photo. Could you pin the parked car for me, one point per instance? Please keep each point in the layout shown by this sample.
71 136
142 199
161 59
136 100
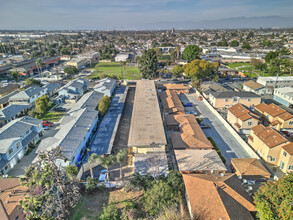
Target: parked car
287 133
46 127
102 177
60 109
188 104
47 123
204 126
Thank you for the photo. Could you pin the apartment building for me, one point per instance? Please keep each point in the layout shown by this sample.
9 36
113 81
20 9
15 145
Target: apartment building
257 88
284 96
276 82
171 103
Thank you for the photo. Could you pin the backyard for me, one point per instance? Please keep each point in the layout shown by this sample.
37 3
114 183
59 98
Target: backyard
52 116
114 68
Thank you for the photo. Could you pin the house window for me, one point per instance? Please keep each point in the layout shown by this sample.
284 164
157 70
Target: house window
10 151
282 165
284 153
290 167
290 122
17 145
273 159
6 167
250 123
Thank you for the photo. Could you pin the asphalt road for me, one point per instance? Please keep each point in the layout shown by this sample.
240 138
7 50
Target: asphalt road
228 145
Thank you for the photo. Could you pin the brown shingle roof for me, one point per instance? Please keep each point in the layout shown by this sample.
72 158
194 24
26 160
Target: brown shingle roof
286 116
171 102
271 109
268 136
288 148
10 195
249 167
190 135
217 197
253 85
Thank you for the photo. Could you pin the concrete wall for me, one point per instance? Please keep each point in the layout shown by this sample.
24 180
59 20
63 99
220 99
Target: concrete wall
245 146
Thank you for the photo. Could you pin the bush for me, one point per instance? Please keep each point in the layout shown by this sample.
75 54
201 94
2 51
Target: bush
138 182
104 105
110 212
71 170
91 184
29 150
217 149
199 120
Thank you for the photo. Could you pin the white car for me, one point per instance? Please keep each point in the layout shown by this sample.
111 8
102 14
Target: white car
102 177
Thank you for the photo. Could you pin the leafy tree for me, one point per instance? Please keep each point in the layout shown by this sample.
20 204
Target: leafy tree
71 171
91 184
36 54
15 74
104 105
41 104
177 71
199 69
40 64
191 52
246 46
158 52
137 60
215 78
271 56
107 162
234 43
65 51
149 64
284 51
31 80
274 70
70 70
110 212
121 157
274 199
52 193
261 66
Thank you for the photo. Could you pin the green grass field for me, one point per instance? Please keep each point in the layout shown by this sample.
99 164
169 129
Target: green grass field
234 65
52 116
114 68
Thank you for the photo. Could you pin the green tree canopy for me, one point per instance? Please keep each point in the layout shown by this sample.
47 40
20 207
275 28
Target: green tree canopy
104 105
71 70
246 46
41 104
191 52
274 199
31 80
199 69
234 43
271 56
177 71
15 74
149 64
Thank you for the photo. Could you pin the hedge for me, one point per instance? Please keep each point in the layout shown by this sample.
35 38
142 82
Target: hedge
217 149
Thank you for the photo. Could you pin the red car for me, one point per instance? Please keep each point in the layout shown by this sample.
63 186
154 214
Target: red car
47 123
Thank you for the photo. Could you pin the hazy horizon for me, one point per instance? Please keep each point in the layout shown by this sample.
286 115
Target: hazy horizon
144 15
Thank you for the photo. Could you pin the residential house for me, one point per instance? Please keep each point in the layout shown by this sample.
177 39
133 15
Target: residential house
189 135
276 81
15 139
106 86
267 142
52 88
217 196
284 96
74 89
286 158
28 96
4 101
249 169
77 62
208 87
275 116
147 135
11 112
229 98
5 90
199 161
10 196
171 103
242 119
259 89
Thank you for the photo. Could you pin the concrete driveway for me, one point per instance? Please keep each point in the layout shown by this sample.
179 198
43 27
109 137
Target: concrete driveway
228 145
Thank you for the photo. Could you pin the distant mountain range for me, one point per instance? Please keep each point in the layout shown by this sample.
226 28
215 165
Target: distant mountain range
229 23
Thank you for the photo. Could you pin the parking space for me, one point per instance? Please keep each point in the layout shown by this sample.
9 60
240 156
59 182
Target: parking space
227 144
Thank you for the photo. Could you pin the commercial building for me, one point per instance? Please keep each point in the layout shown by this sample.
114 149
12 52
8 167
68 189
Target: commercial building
77 62
276 82
229 98
15 139
274 116
242 119
259 89
284 96
217 196
146 133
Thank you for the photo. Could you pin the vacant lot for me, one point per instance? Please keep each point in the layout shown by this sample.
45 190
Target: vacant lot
114 68
90 205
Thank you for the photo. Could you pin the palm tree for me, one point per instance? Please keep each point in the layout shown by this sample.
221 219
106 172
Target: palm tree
93 159
121 157
40 64
107 162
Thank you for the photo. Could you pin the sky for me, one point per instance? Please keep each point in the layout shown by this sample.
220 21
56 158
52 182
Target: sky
133 14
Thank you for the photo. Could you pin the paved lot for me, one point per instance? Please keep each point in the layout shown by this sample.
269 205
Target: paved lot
227 144
103 137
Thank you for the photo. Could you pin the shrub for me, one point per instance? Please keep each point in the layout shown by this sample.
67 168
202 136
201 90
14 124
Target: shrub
110 212
104 105
217 149
91 184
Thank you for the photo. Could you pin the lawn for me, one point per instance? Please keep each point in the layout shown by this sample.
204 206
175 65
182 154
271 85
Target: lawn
114 68
245 68
52 116
90 205
234 65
